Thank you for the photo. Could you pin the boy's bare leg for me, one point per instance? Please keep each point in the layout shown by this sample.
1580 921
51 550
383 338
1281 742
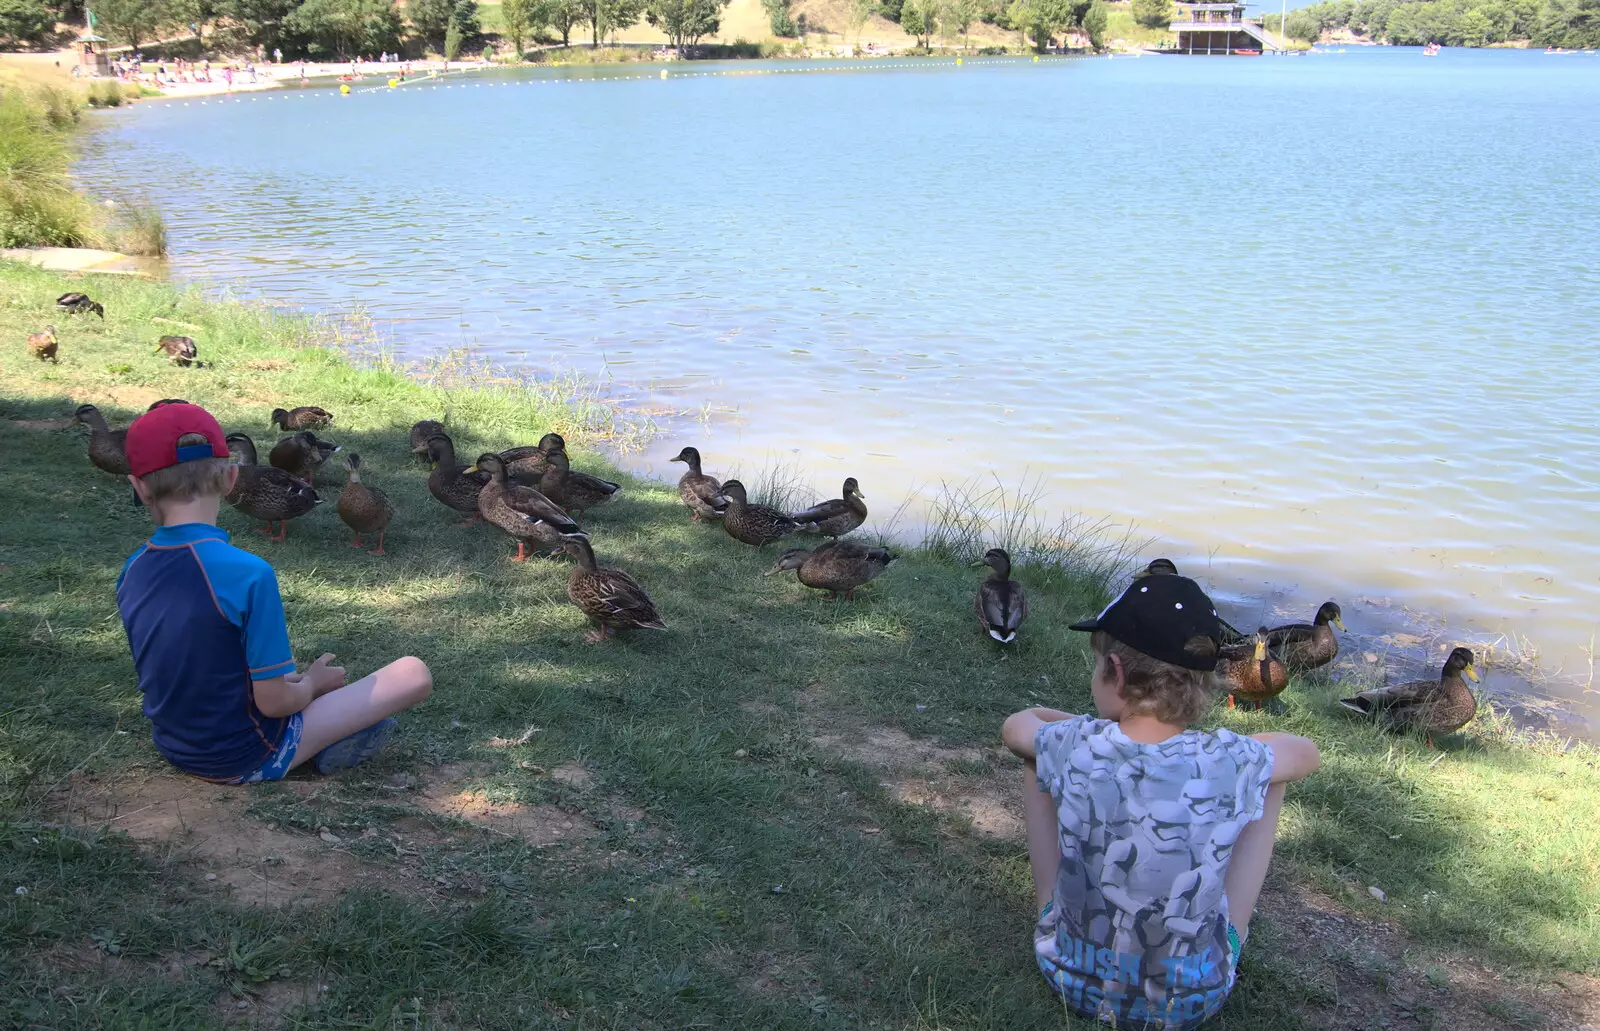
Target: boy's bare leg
1252 854
343 711
1044 834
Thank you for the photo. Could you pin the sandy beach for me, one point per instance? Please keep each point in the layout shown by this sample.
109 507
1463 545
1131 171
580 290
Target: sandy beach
273 76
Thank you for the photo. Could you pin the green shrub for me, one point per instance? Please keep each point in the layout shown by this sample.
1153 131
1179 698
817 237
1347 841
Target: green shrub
106 93
138 229
37 205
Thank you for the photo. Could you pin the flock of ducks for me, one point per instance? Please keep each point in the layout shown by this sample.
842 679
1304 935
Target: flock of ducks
533 494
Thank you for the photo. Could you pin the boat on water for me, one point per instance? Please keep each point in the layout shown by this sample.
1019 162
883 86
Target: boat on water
1247 53
1431 50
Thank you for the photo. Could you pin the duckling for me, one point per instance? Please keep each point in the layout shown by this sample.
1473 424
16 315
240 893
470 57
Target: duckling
180 350
43 345
1309 645
266 492
527 463
836 567
1001 603
107 447
301 454
701 493
364 509
79 304
306 417
450 483
1253 672
521 511
608 596
1166 567
754 524
1440 706
421 433
837 517
574 492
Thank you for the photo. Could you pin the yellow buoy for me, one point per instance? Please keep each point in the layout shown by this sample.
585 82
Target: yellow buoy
958 61
393 83
345 90
1035 58
663 73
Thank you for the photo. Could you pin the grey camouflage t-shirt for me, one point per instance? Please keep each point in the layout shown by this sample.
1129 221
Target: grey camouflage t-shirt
1137 932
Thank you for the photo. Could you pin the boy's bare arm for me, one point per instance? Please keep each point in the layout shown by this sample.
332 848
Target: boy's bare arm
1293 757
1021 729
292 692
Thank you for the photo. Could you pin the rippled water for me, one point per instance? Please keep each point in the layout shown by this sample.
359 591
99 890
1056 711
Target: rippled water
1326 326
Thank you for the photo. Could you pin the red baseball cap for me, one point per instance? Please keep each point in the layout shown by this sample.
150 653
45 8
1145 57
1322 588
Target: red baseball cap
153 438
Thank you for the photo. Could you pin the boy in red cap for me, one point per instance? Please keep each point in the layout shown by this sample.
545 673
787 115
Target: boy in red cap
1149 840
206 627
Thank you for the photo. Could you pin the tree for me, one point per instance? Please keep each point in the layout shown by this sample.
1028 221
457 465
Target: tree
195 14
1153 14
452 41
1304 25
860 12
262 19
519 17
920 18
464 16
607 16
431 19
24 21
685 21
959 15
1094 25
779 19
132 21
564 16
346 27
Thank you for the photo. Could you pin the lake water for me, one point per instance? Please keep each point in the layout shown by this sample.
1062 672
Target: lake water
1325 326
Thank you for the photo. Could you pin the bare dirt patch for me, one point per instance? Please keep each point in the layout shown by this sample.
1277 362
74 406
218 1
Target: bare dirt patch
189 820
267 1005
446 792
573 776
1372 975
919 772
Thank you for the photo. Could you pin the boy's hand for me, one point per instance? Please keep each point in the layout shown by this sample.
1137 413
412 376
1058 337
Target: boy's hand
323 676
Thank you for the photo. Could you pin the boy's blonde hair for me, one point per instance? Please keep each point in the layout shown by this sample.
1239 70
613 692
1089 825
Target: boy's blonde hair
1172 694
189 480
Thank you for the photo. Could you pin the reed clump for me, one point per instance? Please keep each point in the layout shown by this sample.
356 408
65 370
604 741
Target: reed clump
38 206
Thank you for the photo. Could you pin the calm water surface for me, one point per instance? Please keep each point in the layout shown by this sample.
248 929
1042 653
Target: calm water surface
1324 326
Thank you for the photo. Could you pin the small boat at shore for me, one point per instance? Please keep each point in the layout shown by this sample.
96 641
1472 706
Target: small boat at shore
1247 53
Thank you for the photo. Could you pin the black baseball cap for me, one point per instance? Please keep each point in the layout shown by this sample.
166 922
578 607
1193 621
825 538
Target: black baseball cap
1163 616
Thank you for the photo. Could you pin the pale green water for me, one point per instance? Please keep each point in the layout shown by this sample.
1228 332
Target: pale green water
1326 326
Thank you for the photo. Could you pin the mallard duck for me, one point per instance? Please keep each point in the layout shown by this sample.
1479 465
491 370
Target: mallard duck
1253 672
1166 567
1308 645
837 517
701 493
836 567
301 454
43 345
78 304
450 482
754 524
266 492
107 447
364 509
575 492
180 350
526 464
521 511
1440 706
608 596
1001 602
166 401
306 417
421 433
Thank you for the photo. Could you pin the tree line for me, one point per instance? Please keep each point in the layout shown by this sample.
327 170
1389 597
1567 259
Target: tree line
1457 23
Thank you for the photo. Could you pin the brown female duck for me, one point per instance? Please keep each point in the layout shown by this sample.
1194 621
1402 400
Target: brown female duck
180 350
702 494
838 567
422 432
1253 672
43 345
575 492
364 509
107 447
527 463
1308 645
521 511
1001 603
306 417
450 482
837 517
301 454
754 524
608 596
266 492
1440 706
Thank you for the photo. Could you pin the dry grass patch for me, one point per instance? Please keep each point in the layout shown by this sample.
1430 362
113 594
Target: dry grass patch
447 792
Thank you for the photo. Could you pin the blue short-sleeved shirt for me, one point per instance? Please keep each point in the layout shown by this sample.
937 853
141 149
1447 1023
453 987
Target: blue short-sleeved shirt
204 622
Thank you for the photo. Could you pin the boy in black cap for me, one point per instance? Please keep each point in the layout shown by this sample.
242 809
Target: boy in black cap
1149 840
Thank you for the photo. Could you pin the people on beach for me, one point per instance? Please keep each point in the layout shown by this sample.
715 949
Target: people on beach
1149 839
277 55
206 627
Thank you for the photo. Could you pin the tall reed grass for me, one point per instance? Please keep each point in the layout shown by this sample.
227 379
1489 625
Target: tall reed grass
138 228
37 204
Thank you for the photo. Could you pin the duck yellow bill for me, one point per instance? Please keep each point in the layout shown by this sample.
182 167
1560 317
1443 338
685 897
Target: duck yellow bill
1261 652
1339 623
1472 674
468 469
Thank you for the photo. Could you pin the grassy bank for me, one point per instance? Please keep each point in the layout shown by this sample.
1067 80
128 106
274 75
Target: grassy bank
782 813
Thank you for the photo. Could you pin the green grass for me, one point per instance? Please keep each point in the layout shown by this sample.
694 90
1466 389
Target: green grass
752 863
1120 24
